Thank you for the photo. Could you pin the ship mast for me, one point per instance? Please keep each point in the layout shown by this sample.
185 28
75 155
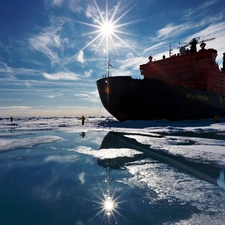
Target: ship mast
109 66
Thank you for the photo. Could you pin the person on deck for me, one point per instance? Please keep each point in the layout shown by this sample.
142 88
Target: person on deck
150 59
202 45
193 44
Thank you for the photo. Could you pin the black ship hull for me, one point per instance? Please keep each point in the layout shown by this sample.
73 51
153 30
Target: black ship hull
126 98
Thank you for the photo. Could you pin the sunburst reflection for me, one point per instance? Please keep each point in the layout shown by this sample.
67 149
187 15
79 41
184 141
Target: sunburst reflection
108 205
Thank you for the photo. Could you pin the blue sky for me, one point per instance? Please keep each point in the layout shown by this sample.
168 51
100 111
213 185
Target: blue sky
53 51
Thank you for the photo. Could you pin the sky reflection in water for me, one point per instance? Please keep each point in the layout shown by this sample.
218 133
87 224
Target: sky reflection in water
107 178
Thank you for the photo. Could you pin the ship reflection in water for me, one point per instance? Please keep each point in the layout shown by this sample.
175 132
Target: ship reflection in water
157 182
200 170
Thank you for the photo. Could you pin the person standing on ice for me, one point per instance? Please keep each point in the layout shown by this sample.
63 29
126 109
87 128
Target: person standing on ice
217 118
11 119
82 120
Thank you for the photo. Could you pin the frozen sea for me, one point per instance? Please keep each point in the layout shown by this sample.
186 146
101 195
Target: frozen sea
56 171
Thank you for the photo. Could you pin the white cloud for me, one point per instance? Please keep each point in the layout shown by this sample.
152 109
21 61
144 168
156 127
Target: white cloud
27 84
75 5
154 47
91 96
12 72
132 63
5 68
171 30
88 73
91 12
55 95
57 2
14 107
44 42
51 96
48 41
61 76
80 57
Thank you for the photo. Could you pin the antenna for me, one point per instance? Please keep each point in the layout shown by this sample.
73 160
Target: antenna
207 40
195 39
170 51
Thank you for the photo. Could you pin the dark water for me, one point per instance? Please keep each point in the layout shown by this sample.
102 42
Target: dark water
70 181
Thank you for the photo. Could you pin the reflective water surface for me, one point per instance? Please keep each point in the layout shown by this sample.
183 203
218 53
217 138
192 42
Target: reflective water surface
107 178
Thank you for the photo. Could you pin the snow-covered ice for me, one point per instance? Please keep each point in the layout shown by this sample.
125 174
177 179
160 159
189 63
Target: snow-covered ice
196 141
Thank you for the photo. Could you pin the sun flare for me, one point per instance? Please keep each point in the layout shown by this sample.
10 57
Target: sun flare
107 29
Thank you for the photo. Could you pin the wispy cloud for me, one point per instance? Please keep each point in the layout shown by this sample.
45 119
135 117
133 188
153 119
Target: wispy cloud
154 47
15 107
191 19
55 95
61 76
200 10
51 41
171 30
92 96
13 72
74 5
88 73
57 2
131 63
45 42
213 30
91 12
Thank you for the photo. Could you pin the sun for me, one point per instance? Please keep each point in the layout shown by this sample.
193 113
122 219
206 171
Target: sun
107 29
